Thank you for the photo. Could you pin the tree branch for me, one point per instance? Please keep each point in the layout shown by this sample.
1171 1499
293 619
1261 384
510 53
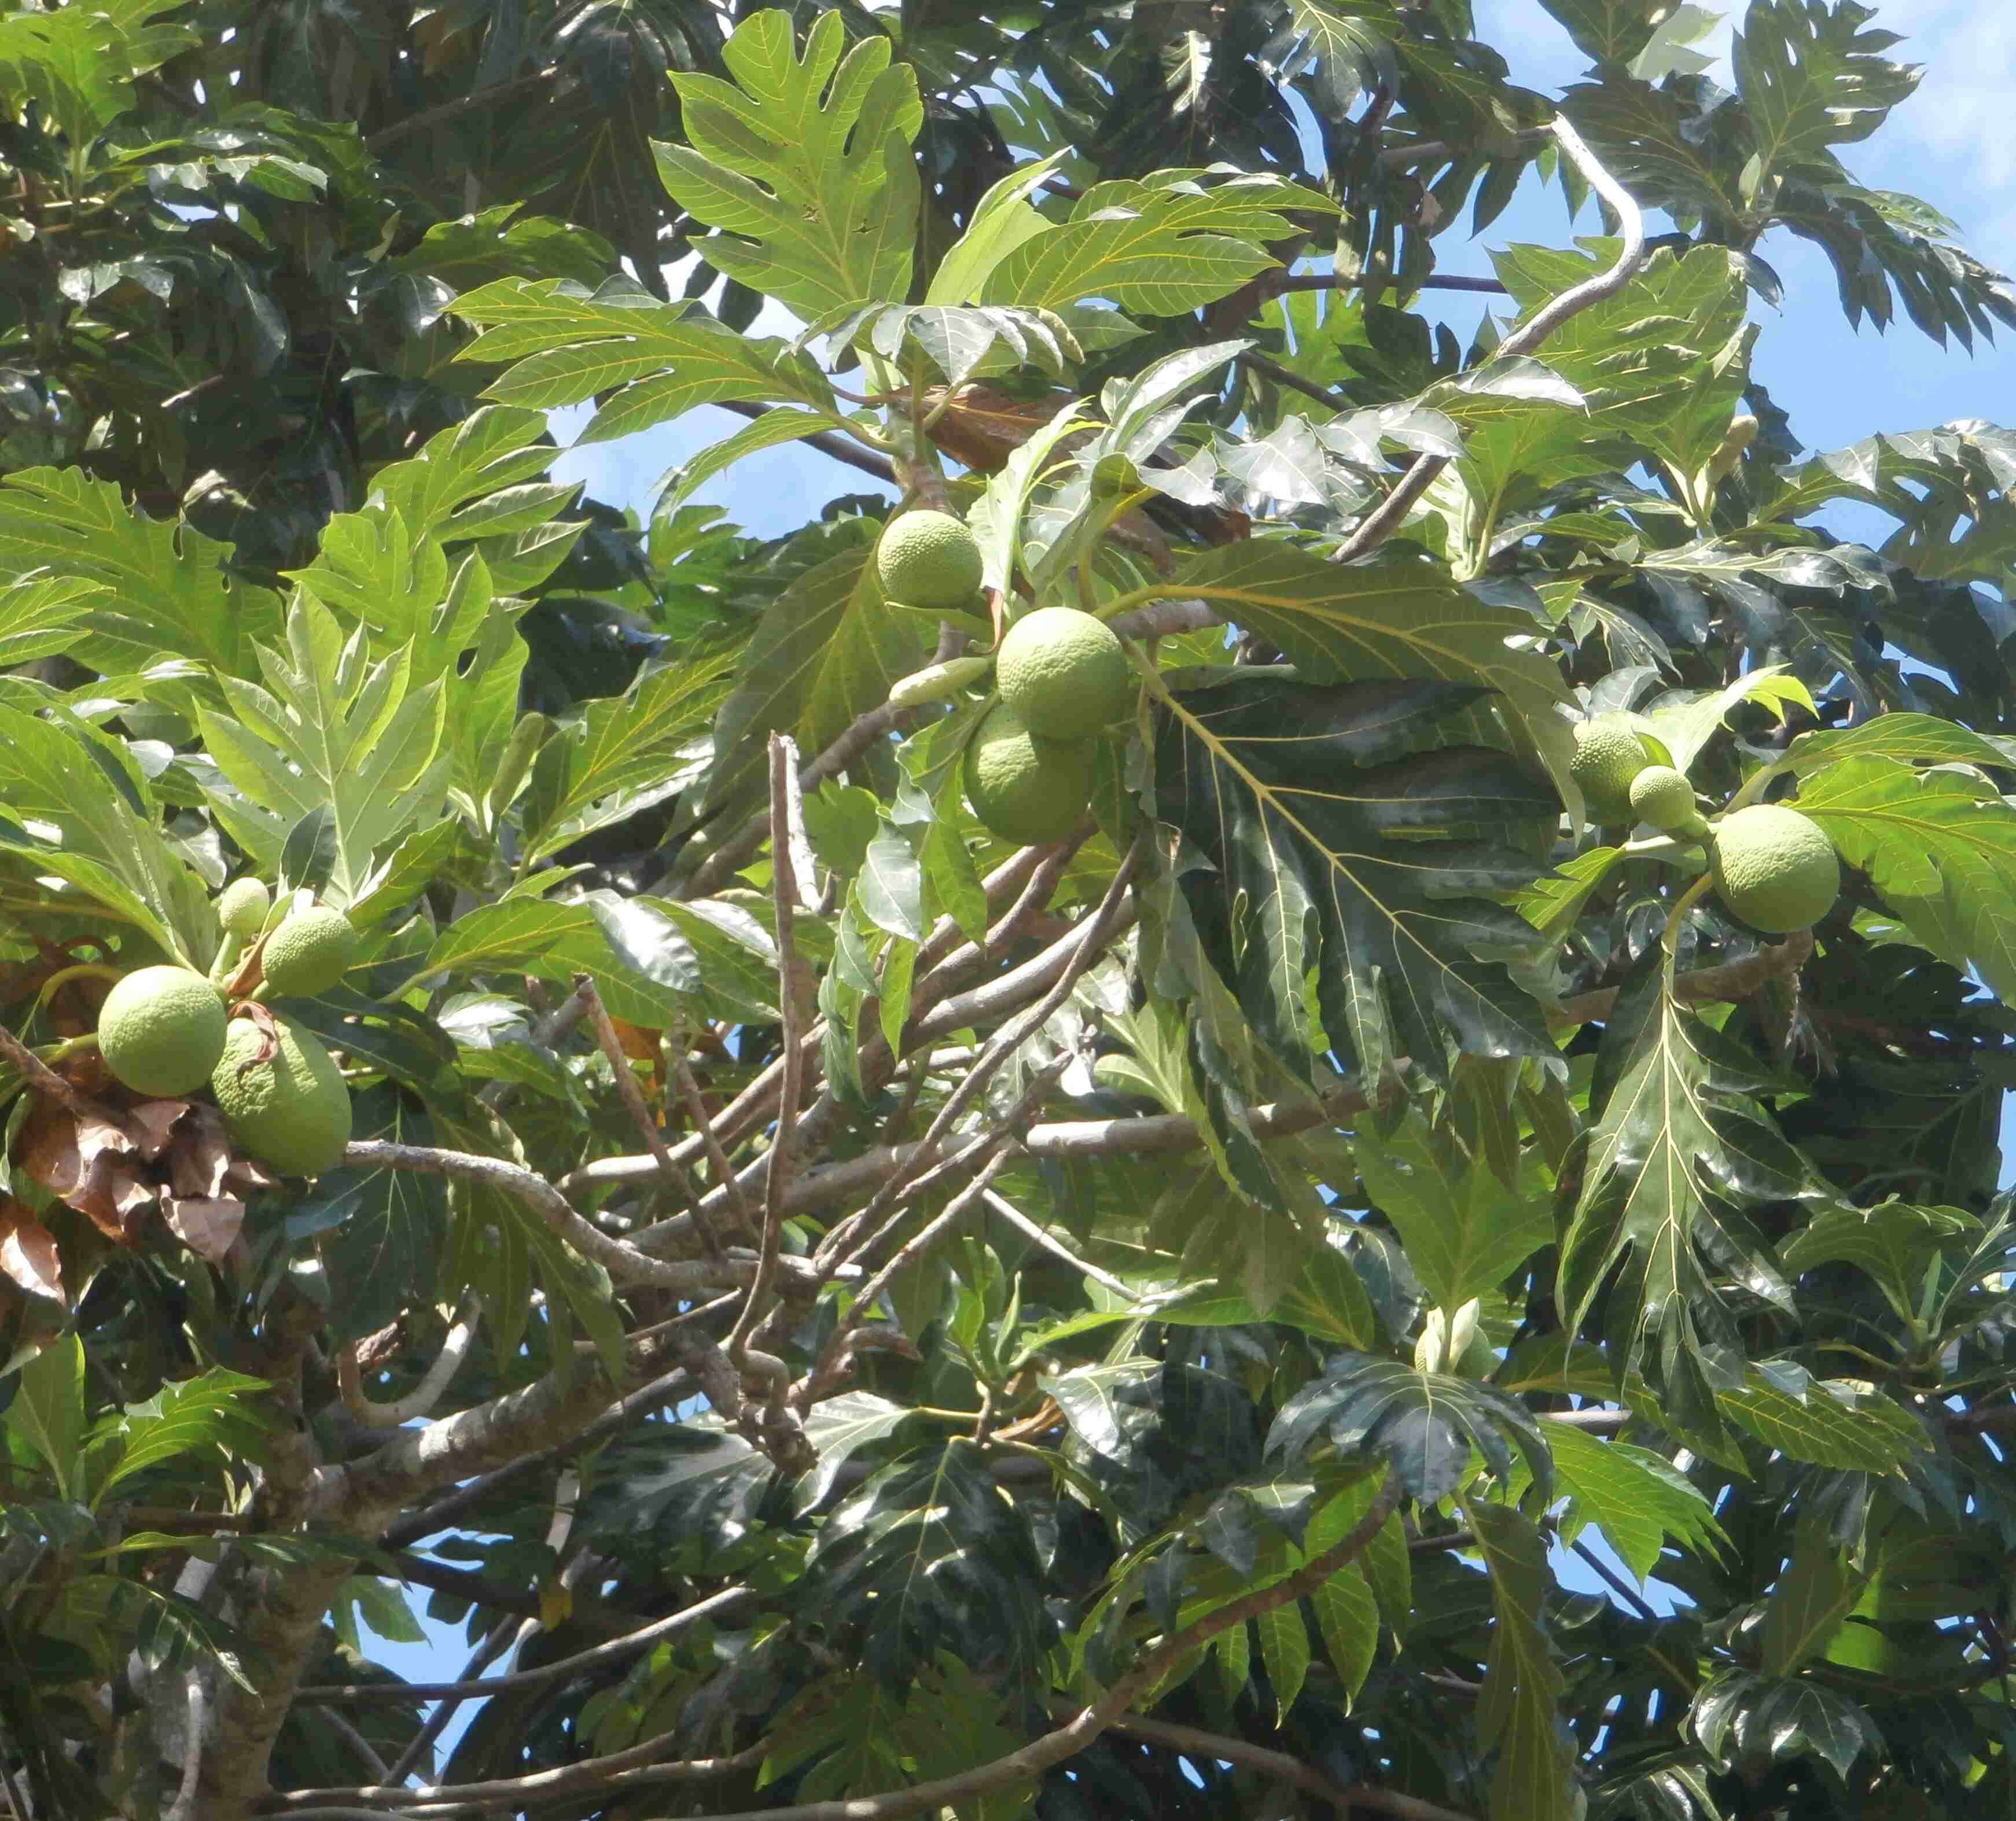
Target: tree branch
657 1393
716 1158
1042 1236
1092 937
728 1602
632 1097
1223 1747
420 1400
1067 1741
1387 518
786 839
625 1263
1728 983
1434 281
614 1774
552 1409
183 1806
39 1076
828 442
496 94
1439 151
727 860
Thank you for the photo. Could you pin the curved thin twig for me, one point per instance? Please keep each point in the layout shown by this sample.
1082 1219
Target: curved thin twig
1221 1747
1391 512
183 1806
726 1604
420 1400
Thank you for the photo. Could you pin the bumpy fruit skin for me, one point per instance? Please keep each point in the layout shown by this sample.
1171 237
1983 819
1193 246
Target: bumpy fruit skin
929 559
242 907
1025 788
1775 868
1662 796
1064 673
161 1030
309 952
291 1111
1608 755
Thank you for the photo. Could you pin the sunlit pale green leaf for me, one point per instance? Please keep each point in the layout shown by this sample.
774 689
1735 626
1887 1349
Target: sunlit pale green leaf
1464 1230
1660 1203
161 586
1939 846
1169 243
803 162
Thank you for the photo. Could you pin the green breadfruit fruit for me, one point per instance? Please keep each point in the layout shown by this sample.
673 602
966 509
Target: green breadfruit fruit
1064 673
1023 787
161 1030
1775 868
929 559
242 907
1662 796
1608 755
291 1111
309 952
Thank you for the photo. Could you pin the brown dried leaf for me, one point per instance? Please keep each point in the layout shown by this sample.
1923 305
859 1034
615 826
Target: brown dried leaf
116 1197
89 1160
152 1124
200 1160
635 1043
245 1175
28 1252
51 1144
207 1225
269 1041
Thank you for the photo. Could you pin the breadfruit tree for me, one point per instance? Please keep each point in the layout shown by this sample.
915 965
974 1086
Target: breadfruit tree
1362 1181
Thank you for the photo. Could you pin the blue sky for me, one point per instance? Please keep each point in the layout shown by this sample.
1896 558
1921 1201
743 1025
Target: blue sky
1952 144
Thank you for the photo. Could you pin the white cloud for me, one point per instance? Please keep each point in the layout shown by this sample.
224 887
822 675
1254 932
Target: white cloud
1951 143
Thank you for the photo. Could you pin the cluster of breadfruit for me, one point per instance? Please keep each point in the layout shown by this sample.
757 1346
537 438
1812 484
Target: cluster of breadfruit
1774 867
1060 678
166 1031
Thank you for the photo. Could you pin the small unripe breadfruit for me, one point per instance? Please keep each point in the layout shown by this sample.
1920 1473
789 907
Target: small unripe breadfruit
1432 1345
309 952
1775 868
1608 755
1064 673
1024 787
161 1030
291 1111
1662 796
242 907
1742 432
929 559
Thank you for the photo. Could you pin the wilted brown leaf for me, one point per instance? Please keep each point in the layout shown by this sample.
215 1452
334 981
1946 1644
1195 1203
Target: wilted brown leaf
151 1123
28 1252
637 1043
207 1225
201 1158
89 1160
